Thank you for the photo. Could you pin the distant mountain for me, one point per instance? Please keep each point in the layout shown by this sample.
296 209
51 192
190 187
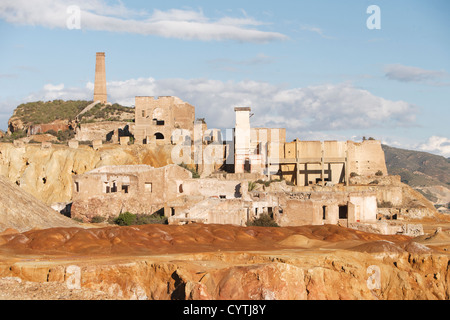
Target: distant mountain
418 168
425 172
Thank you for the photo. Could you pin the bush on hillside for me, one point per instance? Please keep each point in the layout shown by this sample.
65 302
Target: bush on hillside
263 221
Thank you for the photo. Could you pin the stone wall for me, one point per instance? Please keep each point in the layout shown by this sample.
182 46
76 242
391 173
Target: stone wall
107 130
366 158
157 118
57 125
139 189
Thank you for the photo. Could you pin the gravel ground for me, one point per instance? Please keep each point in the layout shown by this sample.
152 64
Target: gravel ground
12 288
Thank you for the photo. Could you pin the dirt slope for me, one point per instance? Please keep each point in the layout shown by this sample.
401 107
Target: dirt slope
21 211
156 239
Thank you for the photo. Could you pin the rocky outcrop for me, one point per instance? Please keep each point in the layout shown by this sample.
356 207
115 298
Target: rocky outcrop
47 173
21 211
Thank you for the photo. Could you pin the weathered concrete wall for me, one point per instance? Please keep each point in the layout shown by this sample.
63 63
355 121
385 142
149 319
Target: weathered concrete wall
57 125
108 191
212 188
365 207
316 208
214 211
366 158
101 130
160 117
296 213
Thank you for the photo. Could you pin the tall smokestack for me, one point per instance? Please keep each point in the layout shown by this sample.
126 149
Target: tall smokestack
100 78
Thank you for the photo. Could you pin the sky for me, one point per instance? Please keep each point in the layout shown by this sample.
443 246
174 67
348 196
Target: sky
324 70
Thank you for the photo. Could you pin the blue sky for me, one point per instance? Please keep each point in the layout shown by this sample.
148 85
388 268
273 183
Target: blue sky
313 67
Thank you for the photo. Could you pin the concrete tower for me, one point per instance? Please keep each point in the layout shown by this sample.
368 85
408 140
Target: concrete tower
242 160
100 78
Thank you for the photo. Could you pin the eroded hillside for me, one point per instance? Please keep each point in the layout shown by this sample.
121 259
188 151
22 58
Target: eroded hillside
47 173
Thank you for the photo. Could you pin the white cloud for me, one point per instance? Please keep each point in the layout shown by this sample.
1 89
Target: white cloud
173 23
317 30
438 145
228 64
412 74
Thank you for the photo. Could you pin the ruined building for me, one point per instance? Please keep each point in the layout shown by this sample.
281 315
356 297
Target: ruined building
156 118
254 172
254 147
111 190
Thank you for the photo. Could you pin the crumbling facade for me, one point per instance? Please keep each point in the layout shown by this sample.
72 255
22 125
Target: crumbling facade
254 147
330 162
233 203
309 180
156 119
110 190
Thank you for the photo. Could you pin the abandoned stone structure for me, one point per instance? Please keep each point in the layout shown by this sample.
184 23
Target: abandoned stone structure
235 204
157 118
106 130
254 153
330 162
253 147
252 172
110 190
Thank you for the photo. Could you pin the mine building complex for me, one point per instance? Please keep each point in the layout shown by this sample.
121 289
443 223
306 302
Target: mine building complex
256 172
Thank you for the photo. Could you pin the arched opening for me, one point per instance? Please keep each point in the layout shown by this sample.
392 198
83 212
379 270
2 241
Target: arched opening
159 136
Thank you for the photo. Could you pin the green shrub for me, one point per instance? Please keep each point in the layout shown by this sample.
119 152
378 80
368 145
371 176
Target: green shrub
98 219
150 219
65 135
107 113
379 173
128 219
45 112
263 221
125 219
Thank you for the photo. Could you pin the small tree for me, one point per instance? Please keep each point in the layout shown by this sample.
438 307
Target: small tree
263 221
379 173
125 219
